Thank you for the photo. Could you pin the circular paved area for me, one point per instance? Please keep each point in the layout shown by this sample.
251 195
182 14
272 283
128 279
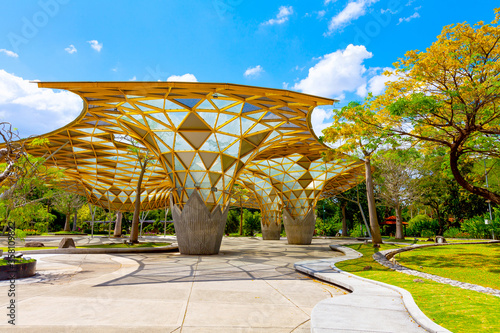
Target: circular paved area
251 286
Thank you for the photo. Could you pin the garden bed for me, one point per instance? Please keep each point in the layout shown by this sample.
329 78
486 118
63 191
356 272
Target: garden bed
21 269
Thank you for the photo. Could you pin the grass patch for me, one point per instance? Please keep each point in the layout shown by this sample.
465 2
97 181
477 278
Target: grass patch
69 233
477 264
4 262
20 249
411 240
456 309
121 245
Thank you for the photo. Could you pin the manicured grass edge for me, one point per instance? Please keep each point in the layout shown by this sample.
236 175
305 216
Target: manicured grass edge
456 309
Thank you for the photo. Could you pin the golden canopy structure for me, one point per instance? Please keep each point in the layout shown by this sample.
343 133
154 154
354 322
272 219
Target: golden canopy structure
204 137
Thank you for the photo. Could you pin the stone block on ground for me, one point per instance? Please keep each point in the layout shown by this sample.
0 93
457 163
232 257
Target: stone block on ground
34 244
67 242
440 240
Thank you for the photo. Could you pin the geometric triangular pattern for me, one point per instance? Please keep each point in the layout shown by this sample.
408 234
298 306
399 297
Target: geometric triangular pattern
203 136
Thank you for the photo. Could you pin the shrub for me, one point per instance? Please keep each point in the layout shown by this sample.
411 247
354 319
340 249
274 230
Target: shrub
477 228
30 232
328 227
357 231
427 233
422 226
20 234
452 233
41 227
251 223
233 221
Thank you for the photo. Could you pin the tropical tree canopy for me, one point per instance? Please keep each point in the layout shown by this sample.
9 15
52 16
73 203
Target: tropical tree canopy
447 96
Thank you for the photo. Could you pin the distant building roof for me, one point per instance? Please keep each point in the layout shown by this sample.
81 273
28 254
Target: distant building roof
391 220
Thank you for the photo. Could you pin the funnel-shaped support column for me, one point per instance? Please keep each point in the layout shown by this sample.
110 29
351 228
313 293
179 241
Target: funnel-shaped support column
299 230
198 230
271 225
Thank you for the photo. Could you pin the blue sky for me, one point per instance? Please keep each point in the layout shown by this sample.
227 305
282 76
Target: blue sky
331 48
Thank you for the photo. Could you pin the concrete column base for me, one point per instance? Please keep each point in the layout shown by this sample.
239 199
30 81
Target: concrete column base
198 230
271 231
299 231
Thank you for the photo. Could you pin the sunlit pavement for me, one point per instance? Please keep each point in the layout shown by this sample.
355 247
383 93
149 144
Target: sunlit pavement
251 286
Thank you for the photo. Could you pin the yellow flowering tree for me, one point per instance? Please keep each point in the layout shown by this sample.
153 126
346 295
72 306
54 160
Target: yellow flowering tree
352 133
448 96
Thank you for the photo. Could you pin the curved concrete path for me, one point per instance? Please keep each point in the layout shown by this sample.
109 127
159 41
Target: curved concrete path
371 307
251 286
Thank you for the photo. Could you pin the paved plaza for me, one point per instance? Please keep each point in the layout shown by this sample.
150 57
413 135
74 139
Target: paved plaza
251 286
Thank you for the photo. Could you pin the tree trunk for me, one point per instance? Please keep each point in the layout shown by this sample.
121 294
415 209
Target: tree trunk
241 217
134 232
454 156
66 225
75 219
372 212
344 221
118 225
399 223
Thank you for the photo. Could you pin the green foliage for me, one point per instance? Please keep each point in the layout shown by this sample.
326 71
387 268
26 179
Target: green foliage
358 231
422 226
21 234
477 227
328 227
251 223
41 227
233 222
452 233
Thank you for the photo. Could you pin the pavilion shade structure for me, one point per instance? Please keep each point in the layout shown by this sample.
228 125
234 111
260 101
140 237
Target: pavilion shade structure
300 179
202 135
268 198
95 156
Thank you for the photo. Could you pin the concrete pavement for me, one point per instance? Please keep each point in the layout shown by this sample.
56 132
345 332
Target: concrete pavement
371 306
251 286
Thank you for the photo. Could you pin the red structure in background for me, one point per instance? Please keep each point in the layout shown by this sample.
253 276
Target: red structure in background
391 220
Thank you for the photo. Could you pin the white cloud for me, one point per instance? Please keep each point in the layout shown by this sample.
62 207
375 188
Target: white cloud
388 10
254 71
182 78
133 79
35 110
9 53
321 13
336 73
321 119
329 1
351 12
285 85
282 17
376 83
95 45
71 49
409 18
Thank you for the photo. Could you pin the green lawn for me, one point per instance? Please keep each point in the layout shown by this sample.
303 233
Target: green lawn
478 264
104 246
4 262
121 245
411 240
20 249
456 309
